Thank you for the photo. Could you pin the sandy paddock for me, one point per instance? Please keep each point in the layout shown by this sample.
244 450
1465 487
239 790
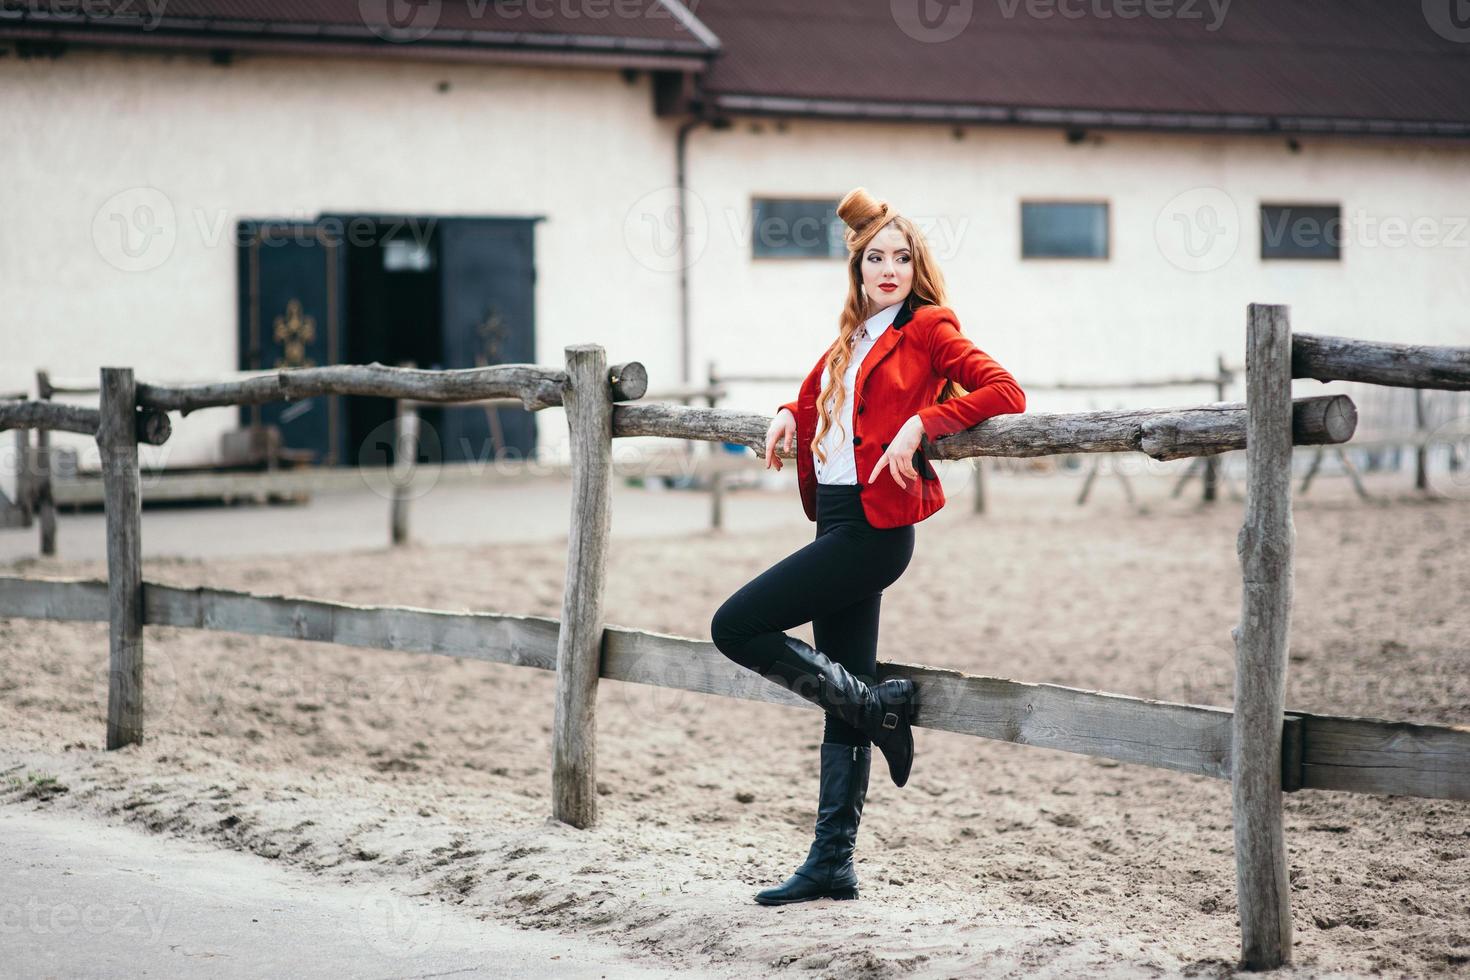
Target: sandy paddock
431 775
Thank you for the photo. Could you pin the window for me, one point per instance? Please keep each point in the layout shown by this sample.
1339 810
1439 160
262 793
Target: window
796 228
1064 229
1301 231
406 255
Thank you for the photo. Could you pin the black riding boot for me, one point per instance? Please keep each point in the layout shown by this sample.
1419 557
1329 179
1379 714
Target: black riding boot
828 871
882 711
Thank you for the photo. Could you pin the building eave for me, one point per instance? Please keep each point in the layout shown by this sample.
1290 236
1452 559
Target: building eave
506 47
1079 118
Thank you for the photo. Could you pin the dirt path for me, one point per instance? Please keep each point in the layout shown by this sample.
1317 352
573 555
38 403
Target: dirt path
997 859
81 898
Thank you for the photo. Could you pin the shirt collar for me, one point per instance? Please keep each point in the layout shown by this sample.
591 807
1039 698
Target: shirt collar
878 322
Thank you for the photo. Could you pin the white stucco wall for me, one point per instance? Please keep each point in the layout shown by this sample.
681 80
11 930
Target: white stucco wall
1137 314
294 137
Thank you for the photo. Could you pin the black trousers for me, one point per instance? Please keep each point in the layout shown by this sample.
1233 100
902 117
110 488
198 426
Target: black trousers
835 583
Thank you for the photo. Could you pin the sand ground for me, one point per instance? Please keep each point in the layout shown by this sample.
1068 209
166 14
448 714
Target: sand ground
430 776
86 899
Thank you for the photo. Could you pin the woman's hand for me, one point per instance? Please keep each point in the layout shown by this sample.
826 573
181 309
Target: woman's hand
899 456
783 426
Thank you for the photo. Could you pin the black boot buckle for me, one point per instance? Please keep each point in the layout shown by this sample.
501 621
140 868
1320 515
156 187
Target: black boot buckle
890 720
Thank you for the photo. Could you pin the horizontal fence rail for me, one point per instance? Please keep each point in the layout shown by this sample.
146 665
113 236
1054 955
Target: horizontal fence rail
49 415
1163 433
1347 754
154 427
525 641
537 387
1327 358
48 385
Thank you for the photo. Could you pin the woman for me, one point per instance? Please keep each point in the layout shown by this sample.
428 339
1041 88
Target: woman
889 383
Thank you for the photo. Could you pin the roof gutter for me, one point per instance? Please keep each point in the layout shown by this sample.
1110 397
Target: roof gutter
458 45
1091 118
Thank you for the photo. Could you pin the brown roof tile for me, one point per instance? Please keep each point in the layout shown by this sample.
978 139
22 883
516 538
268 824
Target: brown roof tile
1347 65
637 31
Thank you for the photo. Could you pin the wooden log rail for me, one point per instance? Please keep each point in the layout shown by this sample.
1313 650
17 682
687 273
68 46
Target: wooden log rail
49 415
1339 753
1163 433
1327 358
153 427
536 387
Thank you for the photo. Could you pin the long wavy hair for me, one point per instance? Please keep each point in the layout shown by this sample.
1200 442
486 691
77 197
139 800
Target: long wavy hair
865 217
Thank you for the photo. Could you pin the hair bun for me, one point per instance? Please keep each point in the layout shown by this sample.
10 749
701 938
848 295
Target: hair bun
858 209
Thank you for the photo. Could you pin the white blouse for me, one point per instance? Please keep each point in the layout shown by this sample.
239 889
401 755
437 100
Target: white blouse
841 466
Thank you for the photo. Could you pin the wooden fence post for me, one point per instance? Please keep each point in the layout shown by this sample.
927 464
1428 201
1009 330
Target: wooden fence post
1265 545
717 475
41 488
1212 463
117 440
23 488
1421 473
977 503
588 403
405 463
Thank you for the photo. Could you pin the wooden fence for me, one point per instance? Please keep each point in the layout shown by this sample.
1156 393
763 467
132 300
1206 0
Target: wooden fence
39 495
1261 747
1206 467
1427 423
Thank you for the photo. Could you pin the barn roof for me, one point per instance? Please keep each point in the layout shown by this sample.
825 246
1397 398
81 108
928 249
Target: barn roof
1398 67
657 34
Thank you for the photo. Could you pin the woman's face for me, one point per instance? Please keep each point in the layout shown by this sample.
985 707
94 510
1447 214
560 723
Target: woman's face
888 268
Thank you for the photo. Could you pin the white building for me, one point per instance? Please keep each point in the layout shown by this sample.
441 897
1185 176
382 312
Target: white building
202 190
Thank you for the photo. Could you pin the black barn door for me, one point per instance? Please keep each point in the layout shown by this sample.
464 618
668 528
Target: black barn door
290 283
487 287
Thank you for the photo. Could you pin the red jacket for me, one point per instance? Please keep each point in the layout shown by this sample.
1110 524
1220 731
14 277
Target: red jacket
901 376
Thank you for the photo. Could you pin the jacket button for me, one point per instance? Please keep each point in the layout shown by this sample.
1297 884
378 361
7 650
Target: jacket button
885 445
860 409
857 440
